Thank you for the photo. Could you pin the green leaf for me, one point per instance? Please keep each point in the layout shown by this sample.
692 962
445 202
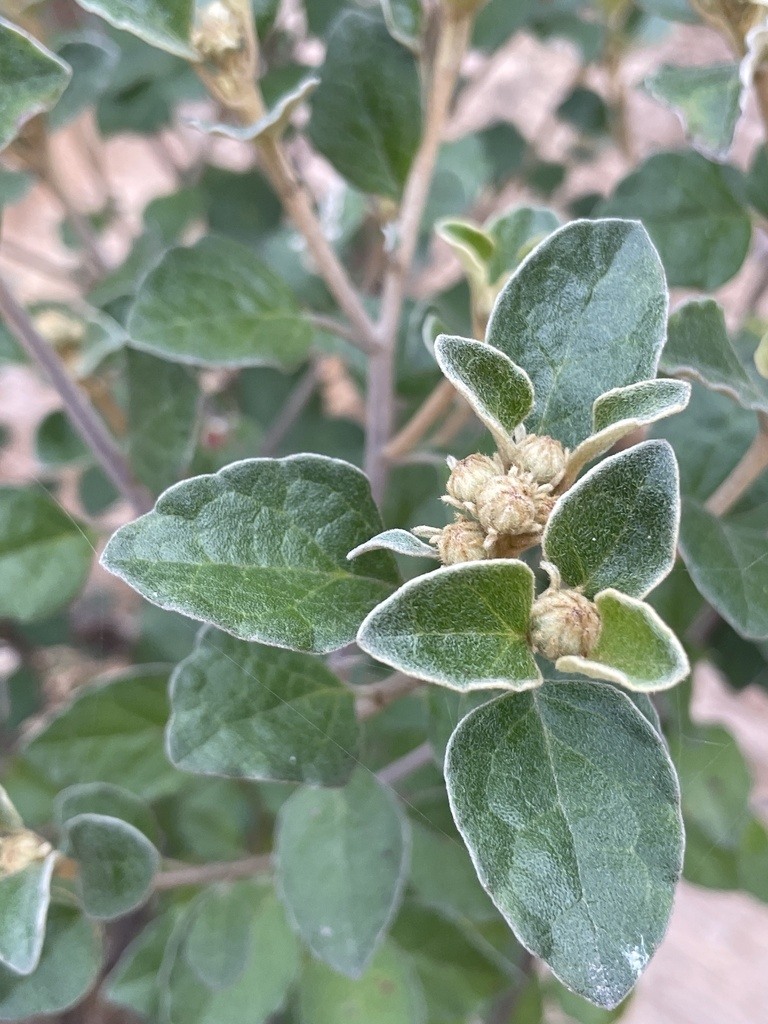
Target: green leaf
708 99
10 819
31 80
388 993
45 554
514 233
133 981
57 443
500 393
617 527
110 732
458 979
342 857
634 649
259 550
251 712
698 347
728 563
585 111
216 304
218 940
569 805
163 411
401 542
464 626
14 185
166 24
261 987
445 709
366 114
105 799
621 411
584 313
93 58
69 965
117 864
443 878
403 19
688 205
24 897
273 124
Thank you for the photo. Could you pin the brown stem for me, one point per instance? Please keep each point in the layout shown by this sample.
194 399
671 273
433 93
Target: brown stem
743 475
437 403
374 698
406 765
77 220
452 39
36 261
85 419
203 874
761 94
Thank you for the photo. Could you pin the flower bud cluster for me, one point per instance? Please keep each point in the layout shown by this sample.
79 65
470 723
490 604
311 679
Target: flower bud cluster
503 502
563 623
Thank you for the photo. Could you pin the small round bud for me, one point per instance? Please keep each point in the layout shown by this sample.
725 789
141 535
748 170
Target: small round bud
563 622
543 457
20 849
506 504
469 476
217 31
461 541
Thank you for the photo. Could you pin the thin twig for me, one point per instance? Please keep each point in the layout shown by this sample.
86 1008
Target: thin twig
406 765
452 39
85 419
220 871
760 84
334 326
437 402
77 220
743 475
290 412
374 698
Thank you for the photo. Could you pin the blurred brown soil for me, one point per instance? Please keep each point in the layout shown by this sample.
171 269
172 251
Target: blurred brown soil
713 965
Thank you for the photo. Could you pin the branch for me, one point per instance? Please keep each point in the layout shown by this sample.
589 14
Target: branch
761 94
292 409
406 765
743 475
433 407
453 36
202 874
374 698
85 419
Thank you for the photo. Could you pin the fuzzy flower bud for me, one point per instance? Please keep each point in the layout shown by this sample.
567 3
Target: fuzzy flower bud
217 31
543 457
563 622
461 541
506 504
468 476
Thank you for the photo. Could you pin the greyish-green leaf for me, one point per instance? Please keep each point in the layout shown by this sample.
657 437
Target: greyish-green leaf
69 965
698 346
274 122
617 527
110 732
247 711
689 207
728 562
260 550
105 798
569 805
45 554
166 24
117 864
635 648
163 409
217 304
500 393
93 58
218 938
342 858
388 993
401 542
584 313
623 410
24 897
514 233
366 113
261 987
464 626
708 99
31 80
